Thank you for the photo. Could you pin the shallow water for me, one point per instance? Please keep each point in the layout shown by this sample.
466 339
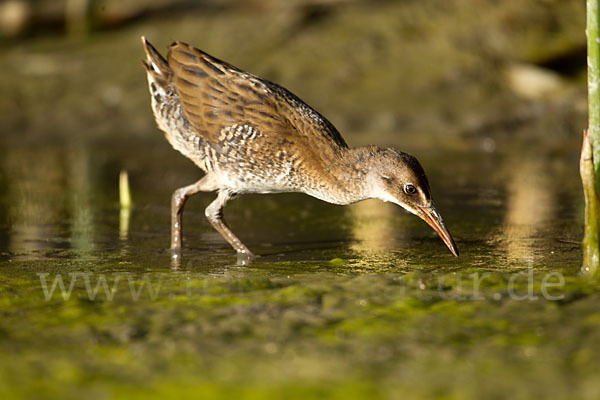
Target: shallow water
357 301
61 202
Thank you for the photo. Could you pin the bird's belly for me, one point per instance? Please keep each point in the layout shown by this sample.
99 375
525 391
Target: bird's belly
260 182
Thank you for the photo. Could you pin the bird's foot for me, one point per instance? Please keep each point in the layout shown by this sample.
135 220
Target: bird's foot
245 257
175 257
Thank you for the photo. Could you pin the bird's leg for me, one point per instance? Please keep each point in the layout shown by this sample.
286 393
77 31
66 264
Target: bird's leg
178 201
214 213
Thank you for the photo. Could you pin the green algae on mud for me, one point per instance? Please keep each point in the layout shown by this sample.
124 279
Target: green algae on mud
334 334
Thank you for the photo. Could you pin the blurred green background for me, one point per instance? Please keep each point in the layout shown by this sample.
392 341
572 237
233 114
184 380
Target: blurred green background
452 73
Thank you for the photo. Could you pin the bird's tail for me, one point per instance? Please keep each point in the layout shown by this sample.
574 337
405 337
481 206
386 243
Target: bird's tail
156 66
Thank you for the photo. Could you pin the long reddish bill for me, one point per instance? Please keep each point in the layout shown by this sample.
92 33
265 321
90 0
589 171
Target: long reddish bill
434 219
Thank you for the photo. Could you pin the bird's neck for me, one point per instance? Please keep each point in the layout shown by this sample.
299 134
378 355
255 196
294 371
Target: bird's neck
351 174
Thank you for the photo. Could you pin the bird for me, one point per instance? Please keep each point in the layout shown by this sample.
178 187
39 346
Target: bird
250 135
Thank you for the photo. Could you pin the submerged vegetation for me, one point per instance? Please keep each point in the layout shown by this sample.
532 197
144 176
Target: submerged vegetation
297 330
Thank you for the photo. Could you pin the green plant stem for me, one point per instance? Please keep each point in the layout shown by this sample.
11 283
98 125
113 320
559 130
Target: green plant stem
591 247
590 151
124 192
593 48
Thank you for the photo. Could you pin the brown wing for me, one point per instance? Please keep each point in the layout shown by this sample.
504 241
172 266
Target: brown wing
215 95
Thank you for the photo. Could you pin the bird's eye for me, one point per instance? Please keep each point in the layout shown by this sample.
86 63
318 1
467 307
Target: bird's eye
410 189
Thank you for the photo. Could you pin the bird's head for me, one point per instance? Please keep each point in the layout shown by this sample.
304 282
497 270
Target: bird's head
399 178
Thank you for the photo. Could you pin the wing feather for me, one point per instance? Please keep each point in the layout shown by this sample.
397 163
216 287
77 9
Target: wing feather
215 95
